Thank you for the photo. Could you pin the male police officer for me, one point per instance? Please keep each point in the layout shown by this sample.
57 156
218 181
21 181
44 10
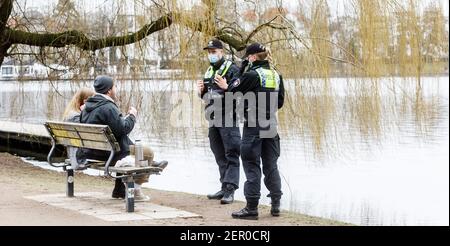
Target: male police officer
260 138
224 139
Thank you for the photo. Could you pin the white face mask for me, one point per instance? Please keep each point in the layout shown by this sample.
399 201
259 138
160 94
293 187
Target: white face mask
213 58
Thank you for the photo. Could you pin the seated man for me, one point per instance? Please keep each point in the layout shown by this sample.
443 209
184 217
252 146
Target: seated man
101 109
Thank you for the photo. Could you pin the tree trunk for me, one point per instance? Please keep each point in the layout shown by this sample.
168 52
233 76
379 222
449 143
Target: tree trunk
2 54
5 12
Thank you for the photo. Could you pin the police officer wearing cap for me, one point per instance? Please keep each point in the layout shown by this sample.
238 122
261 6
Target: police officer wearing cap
260 142
225 140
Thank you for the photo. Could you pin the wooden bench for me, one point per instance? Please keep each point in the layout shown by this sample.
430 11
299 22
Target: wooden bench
96 137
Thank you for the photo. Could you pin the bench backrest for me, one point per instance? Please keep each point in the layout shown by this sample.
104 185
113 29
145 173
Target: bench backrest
98 137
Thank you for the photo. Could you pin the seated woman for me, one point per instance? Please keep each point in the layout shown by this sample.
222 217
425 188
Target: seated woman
72 114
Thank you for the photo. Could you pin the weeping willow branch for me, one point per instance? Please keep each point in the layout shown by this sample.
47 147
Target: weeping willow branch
80 40
208 24
300 39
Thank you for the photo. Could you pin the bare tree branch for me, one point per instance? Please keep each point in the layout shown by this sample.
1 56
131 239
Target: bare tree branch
260 27
80 40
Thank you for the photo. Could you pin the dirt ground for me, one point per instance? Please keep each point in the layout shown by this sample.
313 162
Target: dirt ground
19 179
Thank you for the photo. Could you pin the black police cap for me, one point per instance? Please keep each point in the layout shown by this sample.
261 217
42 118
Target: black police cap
254 48
214 44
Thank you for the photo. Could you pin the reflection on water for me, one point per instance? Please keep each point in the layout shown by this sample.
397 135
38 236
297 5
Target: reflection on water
367 152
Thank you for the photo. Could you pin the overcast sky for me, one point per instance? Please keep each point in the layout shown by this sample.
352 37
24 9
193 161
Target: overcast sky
339 7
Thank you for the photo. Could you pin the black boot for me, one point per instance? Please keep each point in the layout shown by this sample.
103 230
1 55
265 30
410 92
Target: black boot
217 196
250 212
228 196
119 190
275 209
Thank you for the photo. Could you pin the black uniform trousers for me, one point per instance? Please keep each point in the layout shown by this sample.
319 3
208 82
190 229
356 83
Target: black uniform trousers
225 144
255 150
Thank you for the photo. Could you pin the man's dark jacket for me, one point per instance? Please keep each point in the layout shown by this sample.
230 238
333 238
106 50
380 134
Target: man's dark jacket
101 111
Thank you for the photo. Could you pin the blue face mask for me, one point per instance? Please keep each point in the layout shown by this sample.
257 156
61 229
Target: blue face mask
213 58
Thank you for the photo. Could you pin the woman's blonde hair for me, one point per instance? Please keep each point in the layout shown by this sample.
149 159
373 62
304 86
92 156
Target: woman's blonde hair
266 55
77 100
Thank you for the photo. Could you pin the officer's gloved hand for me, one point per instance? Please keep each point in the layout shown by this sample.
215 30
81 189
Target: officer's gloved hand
244 66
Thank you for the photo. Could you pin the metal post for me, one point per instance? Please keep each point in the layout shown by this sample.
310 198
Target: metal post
129 194
69 190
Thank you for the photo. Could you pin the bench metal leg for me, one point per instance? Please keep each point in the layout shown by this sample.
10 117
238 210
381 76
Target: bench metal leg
129 194
70 179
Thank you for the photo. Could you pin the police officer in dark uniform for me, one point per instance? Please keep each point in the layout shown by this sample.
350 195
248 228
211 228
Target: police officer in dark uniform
260 141
225 140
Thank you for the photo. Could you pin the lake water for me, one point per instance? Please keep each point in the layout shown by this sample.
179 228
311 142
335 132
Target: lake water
364 152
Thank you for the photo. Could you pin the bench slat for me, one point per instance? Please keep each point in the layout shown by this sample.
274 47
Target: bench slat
80 135
88 144
77 127
88 136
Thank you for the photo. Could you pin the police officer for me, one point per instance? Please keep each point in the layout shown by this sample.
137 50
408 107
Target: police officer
225 140
260 141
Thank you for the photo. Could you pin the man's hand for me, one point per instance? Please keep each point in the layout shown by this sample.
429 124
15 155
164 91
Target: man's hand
132 111
200 86
221 82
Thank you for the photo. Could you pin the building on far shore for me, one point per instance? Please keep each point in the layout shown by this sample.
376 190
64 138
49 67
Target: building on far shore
11 70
